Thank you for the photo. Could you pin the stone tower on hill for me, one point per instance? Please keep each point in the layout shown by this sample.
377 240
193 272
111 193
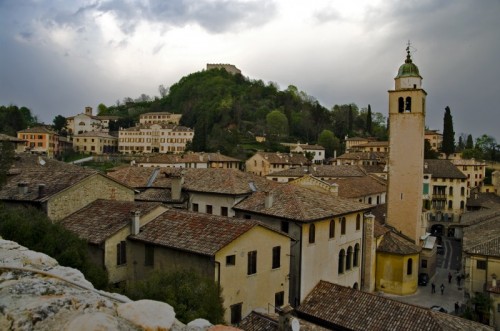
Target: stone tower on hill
406 151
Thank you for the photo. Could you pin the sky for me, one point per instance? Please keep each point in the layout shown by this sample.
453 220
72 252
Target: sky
59 56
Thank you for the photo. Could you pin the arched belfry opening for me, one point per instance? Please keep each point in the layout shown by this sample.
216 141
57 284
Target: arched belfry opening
408 105
401 104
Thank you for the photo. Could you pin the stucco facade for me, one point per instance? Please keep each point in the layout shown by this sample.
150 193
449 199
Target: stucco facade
397 274
95 143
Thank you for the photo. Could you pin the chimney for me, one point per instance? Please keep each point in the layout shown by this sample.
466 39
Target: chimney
269 200
285 318
176 188
135 224
41 190
22 187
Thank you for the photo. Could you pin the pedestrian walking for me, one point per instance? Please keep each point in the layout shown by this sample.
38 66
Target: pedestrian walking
442 289
433 288
449 277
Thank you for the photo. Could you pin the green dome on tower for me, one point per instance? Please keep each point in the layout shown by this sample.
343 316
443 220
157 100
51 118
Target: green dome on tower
408 69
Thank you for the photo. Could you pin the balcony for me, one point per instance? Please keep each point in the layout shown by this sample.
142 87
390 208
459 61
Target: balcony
438 196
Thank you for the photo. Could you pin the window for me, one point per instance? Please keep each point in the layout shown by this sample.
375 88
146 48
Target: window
276 257
230 260
236 313
341 261
481 264
312 234
195 207
209 209
409 267
332 229
355 260
149 255
252 263
279 299
401 104
284 226
426 188
342 225
247 217
358 222
462 191
223 211
408 104
121 253
450 204
423 263
450 190
348 259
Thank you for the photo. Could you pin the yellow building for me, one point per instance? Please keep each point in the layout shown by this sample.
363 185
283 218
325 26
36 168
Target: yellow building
94 142
40 140
105 226
475 171
247 259
159 118
264 163
435 139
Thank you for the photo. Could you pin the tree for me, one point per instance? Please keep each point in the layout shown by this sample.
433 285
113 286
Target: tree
369 121
163 90
429 153
328 140
60 123
488 145
101 109
277 123
461 144
191 295
470 142
448 146
350 119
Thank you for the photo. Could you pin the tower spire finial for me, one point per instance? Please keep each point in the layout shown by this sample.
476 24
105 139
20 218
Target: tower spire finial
408 56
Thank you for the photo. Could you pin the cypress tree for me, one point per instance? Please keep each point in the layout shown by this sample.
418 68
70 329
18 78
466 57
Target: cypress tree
448 133
369 121
470 142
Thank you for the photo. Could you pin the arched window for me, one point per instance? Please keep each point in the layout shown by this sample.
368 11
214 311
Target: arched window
355 286
332 229
450 190
370 200
358 222
312 234
341 261
409 267
450 204
462 204
462 191
355 260
342 225
348 260
401 104
408 104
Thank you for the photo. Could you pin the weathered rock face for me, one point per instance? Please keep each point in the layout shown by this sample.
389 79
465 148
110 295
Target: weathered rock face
36 293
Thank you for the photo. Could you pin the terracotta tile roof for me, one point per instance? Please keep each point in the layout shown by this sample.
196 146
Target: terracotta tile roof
311 147
321 171
300 204
106 117
37 129
173 127
467 162
258 321
284 158
344 308
355 187
158 195
486 200
187 158
373 144
32 171
136 177
483 238
194 232
478 216
373 169
369 156
442 169
396 244
103 218
4 137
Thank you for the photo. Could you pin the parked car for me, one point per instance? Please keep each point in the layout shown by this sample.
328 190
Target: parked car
423 279
439 308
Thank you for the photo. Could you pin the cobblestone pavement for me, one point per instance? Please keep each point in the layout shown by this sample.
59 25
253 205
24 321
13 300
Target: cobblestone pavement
447 263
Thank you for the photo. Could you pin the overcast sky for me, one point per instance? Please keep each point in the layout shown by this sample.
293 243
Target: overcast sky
58 56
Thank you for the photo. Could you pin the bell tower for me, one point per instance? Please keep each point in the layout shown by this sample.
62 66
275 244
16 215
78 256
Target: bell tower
406 151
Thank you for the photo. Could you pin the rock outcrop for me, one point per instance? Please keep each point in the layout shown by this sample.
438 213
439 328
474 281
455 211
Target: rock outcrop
36 293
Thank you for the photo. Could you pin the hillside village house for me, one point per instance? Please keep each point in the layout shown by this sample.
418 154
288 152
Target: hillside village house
323 172
190 160
317 151
264 163
371 146
95 142
40 140
87 122
105 226
247 259
481 258
58 188
475 170
328 231
159 117
435 139
351 142
18 145
445 196
154 138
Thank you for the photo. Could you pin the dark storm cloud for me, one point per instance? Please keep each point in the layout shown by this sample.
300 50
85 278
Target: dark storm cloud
214 16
